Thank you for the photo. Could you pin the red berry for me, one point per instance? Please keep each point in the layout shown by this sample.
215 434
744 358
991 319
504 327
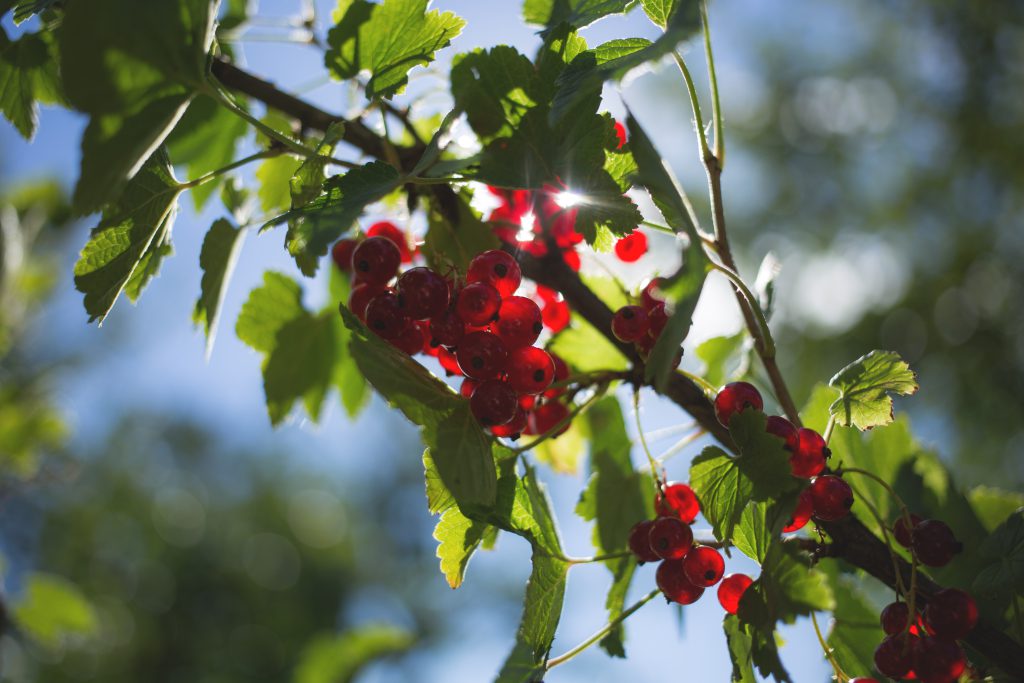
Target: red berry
670 539
784 429
447 329
938 661
894 656
572 259
808 459
341 254
494 403
376 260
650 295
639 541
361 296
496 268
731 591
902 533
556 315
736 397
448 361
384 315
410 340
392 232
530 370
620 134
894 618
467 387
519 321
678 500
704 566
658 317
478 303
482 355
934 543
631 247
547 417
832 498
801 513
423 292
674 585
514 427
951 613
630 323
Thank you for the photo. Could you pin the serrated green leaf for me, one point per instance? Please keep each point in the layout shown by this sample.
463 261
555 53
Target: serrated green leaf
140 220
587 350
1003 555
740 644
659 10
339 657
576 13
865 387
205 139
787 588
722 489
763 457
307 182
26 9
267 310
149 264
723 357
300 366
759 526
449 246
542 609
494 87
274 176
53 611
217 259
855 631
458 538
28 71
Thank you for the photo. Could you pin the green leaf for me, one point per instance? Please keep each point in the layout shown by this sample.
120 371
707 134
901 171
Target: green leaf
388 40
542 609
563 454
28 71
53 611
659 10
458 538
267 310
758 528
205 139
587 350
348 378
274 176
300 365
763 457
740 644
450 246
307 182
855 631
787 588
724 357
993 506
722 490
576 13
865 387
1003 553
495 89
217 259
128 238
25 9
338 658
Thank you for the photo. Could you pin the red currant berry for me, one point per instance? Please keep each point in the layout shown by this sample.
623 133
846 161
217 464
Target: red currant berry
937 660
384 315
410 340
478 303
630 323
650 295
801 513
556 316
894 618
572 259
658 317
494 403
496 268
376 260
934 543
467 387
736 397
784 429
808 459
341 254
519 322
674 585
902 533
361 296
704 566
423 292
448 361
482 356
530 370
731 591
447 329
514 427
670 539
392 232
832 498
894 656
951 613
547 417
639 541
620 135
561 375
631 247
678 500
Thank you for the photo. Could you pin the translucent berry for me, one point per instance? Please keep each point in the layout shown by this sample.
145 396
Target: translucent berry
620 135
519 321
376 260
530 370
478 303
572 259
639 541
651 293
934 543
496 268
447 329
467 387
410 340
808 459
548 417
514 427
736 397
670 539
784 429
556 315
678 500
561 375
902 533
658 317
341 254
630 323
674 585
951 613
731 591
801 513
361 296
392 232
384 315
894 618
704 566
482 356
631 247
424 293
832 498
937 660
494 403
448 361
894 657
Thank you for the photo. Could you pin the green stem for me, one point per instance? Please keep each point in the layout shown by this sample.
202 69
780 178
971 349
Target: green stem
709 389
884 484
598 558
678 447
643 440
605 630
702 138
207 177
828 428
767 342
716 105
840 674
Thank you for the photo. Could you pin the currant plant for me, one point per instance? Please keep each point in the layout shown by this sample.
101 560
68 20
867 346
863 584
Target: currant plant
485 331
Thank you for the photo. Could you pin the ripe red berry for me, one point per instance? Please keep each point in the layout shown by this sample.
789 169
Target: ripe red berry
548 416
384 315
902 533
424 293
808 459
630 323
784 429
631 247
894 656
482 356
670 539
934 543
620 134
951 613
448 361
496 268
519 321
514 427
894 618
704 566
572 259
561 375
478 303
467 387
392 232
674 585
410 340
650 295
447 329
639 541
731 591
341 254
832 498
937 660
801 513
678 500
494 403
658 317
376 260
556 315
530 370
361 296
734 398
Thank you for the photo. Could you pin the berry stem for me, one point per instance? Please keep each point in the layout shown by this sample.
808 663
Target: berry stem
716 104
643 440
678 446
709 389
598 558
900 586
829 428
602 632
884 484
207 177
829 655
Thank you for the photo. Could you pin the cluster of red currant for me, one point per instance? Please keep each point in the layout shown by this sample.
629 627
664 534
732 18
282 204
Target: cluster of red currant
642 324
